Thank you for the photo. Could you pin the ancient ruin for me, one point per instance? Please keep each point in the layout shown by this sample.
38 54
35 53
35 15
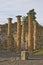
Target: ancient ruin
29 33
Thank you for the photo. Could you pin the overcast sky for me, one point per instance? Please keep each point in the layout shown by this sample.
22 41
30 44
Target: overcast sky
11 8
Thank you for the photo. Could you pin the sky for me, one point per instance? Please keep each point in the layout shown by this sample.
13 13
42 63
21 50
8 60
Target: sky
12 8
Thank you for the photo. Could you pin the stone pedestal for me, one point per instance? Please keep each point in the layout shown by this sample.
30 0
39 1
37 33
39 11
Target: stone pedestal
30 33
24 55
18 32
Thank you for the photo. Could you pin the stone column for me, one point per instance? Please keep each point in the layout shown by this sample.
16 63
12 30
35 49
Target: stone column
35 35
30 33
18 32
23 34
9 41
9 26
0 28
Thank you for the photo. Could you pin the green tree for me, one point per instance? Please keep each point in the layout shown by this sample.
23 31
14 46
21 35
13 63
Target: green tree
33 14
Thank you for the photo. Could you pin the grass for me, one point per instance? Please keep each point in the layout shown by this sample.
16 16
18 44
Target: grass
40 51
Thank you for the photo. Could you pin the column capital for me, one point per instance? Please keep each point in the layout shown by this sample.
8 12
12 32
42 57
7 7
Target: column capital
18 16
9 18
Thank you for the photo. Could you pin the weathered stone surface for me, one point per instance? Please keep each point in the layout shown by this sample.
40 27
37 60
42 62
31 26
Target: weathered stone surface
23 35
30 33
10 39
35 35
18 32
26 62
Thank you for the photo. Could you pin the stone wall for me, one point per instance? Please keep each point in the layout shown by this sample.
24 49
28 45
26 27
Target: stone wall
40 37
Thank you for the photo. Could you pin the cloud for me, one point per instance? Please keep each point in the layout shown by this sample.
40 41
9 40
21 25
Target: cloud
11 8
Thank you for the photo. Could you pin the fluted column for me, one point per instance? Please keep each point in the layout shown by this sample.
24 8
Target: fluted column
23 34
18 32
9 26
35 35
9 40
30 33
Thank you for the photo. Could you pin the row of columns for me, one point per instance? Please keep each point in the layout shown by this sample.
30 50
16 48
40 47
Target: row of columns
19 33
30 33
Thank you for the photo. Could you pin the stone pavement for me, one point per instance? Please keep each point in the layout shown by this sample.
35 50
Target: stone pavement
8 58
26 62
